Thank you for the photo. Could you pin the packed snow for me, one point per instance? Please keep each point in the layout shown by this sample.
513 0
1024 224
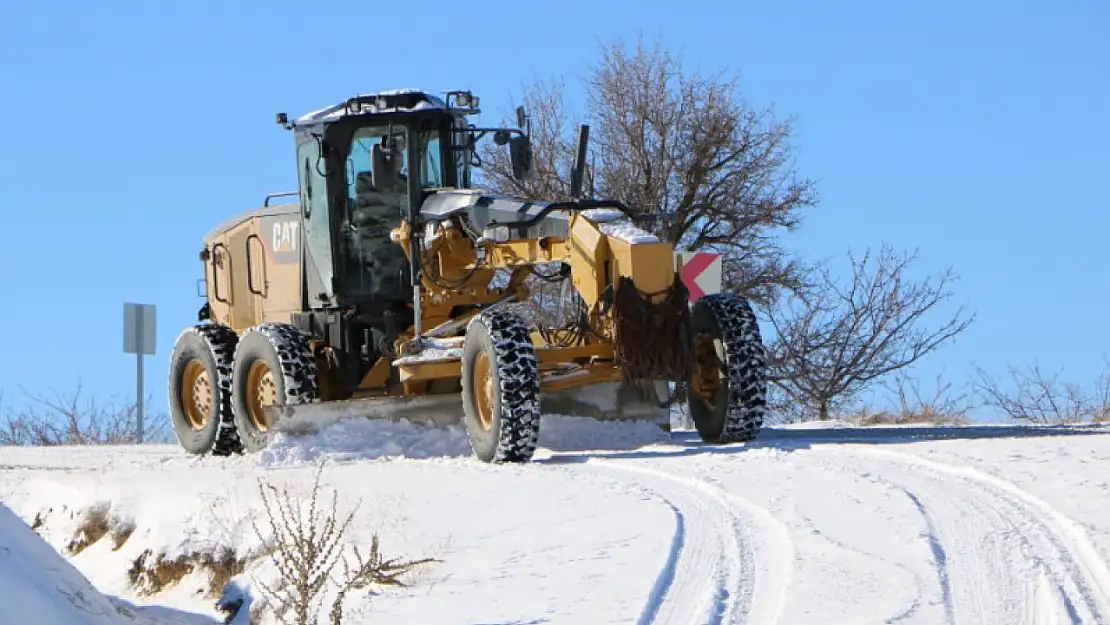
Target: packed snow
434 350
611 523
614 223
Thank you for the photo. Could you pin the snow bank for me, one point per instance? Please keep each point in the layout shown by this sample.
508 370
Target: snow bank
352 439
51 591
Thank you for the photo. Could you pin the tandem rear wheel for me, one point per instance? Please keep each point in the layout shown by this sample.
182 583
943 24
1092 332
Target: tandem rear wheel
221 384
200 390
273 366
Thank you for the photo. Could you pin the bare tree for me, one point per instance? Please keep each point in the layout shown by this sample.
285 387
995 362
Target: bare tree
1037 398
833 340
689 148
679 145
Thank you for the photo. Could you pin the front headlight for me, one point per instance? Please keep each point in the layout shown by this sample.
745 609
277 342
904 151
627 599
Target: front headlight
497 234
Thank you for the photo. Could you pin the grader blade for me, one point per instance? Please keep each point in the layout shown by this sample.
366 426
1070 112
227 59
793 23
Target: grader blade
608 401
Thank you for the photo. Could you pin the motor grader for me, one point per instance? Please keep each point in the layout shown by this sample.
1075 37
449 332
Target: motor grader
394 288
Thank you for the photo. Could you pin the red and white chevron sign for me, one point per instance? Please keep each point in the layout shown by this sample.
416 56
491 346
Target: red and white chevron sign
701 272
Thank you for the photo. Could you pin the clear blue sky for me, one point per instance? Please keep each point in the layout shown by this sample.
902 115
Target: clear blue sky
977 132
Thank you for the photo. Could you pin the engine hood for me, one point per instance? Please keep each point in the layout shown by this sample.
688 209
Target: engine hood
481 207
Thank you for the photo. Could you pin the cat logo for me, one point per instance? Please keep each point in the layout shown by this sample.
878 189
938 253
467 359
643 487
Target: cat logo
285 236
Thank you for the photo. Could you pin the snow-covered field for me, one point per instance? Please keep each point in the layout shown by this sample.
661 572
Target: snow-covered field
814 524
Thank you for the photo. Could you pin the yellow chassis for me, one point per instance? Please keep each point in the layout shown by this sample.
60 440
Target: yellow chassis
597 262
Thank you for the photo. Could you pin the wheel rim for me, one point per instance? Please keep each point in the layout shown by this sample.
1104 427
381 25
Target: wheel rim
708 370
482 380
261 392
196 394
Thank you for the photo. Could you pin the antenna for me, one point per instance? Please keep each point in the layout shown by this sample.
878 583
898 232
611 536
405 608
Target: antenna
593 168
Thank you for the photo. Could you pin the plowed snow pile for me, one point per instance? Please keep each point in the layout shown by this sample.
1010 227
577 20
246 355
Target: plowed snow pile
611 523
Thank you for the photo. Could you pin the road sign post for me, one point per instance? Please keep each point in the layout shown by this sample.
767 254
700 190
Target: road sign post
139 332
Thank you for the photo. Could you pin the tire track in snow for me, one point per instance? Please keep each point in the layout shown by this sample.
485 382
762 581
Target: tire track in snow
1004 545
940 556
715 573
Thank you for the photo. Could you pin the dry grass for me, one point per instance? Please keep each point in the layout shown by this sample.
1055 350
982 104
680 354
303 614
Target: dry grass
120 533
922 417
910 406
94 525
152 573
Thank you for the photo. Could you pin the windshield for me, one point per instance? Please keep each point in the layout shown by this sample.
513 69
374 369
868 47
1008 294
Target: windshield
372 263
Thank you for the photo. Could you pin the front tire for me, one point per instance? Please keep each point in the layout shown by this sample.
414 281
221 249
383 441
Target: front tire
273 365
728 378
200 390
501 388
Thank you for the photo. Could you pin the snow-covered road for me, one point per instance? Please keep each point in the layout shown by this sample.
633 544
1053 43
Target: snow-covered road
986 524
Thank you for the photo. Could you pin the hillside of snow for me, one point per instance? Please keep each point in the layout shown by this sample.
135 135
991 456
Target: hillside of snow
610 524
42 588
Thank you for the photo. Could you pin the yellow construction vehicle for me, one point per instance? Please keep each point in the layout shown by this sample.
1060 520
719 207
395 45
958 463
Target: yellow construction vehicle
393 288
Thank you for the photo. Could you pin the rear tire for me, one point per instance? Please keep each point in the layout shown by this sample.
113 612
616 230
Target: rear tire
200 390
501 388
273 364
728 379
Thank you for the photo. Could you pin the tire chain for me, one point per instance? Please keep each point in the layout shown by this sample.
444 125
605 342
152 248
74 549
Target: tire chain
518 374
298 365
747 365
221 341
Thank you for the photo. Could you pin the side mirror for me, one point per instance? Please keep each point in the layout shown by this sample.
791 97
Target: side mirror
520 151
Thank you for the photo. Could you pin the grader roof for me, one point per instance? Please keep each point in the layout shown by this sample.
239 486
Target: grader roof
381 103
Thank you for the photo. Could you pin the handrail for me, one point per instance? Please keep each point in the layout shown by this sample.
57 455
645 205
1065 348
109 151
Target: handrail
250 267
271 196
216 275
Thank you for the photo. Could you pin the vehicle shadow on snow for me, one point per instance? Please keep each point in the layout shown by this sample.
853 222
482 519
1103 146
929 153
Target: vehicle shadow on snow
687 442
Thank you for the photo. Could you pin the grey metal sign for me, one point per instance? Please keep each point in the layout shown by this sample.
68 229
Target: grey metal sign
139 338
139 329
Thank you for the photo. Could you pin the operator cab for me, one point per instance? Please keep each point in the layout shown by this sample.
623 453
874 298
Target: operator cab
364 165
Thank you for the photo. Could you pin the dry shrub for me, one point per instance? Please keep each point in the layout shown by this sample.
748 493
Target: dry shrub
1039 398
305 549
67 419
